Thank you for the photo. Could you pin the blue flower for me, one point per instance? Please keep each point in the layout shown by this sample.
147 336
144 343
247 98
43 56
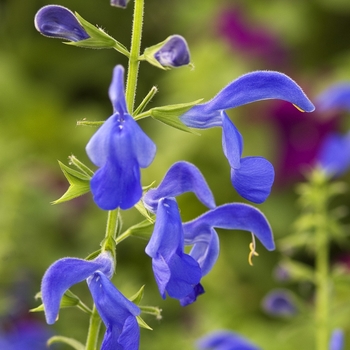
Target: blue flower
117 312
175 272
225 340
279 303
334 154
337 340
336 97
119 148
174 52
59 22
252 177
170 235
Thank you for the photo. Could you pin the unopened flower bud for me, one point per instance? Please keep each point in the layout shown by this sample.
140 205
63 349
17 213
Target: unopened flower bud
174 52
59 22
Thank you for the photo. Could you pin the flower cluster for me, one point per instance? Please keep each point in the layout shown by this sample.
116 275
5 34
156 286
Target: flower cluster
181 252
116 311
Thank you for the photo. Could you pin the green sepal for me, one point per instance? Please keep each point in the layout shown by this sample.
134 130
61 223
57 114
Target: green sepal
170 115
152 310
99 39
69 299
142 230
144 212
142 323
81 166
137 297
75 344
79 184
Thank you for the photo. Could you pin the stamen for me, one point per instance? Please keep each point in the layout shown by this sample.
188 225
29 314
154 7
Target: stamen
252 251
298 108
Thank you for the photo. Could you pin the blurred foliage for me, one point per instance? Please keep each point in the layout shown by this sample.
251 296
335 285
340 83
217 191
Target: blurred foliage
46 87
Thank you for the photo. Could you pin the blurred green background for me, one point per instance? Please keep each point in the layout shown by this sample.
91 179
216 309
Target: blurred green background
46 87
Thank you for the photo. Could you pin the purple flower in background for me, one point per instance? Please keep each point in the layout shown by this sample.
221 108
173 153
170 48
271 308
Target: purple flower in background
225 340
299 139
334 153
252 177
119 148
250 38
119 3
171 235
28 335
117 312
174 52
337 340
59 22
279 303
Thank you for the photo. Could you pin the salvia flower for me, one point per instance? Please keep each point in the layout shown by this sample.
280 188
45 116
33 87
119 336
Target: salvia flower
175 272
279 303
59 22
225 340
252 177
337 340
119 148
117 312
170 234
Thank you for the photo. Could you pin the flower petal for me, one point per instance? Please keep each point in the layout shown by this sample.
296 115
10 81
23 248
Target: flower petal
251 87
225 340
116 91
176 272
254 179
233 216
180 178
257 86
119 3
192 297
232 142
206 247
113 147
63 274
59 22
336 97
117 312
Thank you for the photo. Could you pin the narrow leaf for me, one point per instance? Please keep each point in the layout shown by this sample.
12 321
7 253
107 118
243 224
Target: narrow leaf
69 341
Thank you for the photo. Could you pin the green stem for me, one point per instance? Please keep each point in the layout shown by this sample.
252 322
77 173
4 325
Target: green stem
322 271
133 68
94 329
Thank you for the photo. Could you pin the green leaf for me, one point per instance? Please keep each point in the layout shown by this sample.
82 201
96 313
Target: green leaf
170 115
69 341
143 324
137 297
78 181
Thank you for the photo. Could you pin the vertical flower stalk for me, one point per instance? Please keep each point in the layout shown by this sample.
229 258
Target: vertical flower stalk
319 181
134 62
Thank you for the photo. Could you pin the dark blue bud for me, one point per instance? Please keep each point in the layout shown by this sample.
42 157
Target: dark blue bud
119 3
58 22
174 52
